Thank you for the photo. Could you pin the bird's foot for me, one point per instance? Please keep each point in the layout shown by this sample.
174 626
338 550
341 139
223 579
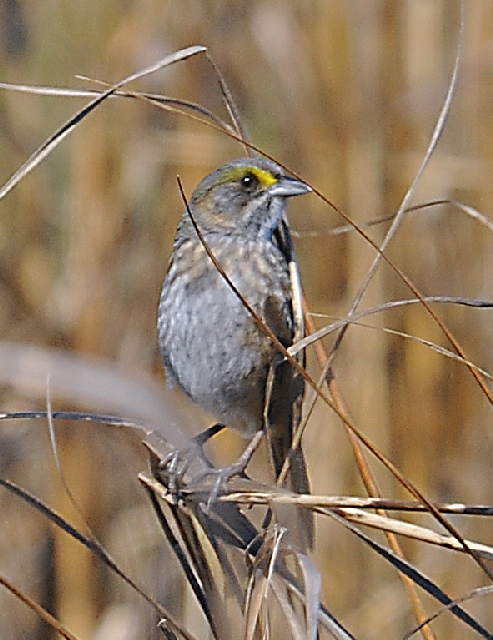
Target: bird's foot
172 468
237 468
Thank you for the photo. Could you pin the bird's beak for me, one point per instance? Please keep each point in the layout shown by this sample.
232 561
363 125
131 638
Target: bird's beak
286 187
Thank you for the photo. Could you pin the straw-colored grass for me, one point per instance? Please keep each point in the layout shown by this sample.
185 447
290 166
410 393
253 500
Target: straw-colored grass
347 95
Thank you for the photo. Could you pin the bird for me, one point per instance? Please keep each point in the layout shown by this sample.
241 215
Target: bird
211 345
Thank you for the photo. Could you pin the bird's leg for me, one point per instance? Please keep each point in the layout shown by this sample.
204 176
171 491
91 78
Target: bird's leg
176 464
207 434
237 468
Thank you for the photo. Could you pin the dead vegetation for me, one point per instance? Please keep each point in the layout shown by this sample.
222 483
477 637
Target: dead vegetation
387 114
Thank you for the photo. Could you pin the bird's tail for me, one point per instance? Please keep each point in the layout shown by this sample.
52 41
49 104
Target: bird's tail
283 415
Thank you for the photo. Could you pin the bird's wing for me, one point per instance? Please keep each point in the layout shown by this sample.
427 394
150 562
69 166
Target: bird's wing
285 388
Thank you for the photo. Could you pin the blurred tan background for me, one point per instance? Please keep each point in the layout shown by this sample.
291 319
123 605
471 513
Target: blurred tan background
346 93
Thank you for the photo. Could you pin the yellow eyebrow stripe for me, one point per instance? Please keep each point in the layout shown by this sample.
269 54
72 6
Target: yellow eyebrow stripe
265 178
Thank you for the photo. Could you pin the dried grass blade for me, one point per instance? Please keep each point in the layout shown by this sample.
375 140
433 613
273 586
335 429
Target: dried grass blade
181 555
172 626
54 140
392 304
435 137
480 591
313 589
234 114
257 588
418 578
280 593
38 609
413 531
193 541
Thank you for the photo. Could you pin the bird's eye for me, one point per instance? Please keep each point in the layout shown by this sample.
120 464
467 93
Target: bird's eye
249 182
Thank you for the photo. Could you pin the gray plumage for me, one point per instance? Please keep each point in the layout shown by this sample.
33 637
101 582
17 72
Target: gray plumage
211 346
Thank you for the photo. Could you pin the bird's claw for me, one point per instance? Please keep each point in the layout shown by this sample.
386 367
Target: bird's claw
176 464
224 474
173 468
